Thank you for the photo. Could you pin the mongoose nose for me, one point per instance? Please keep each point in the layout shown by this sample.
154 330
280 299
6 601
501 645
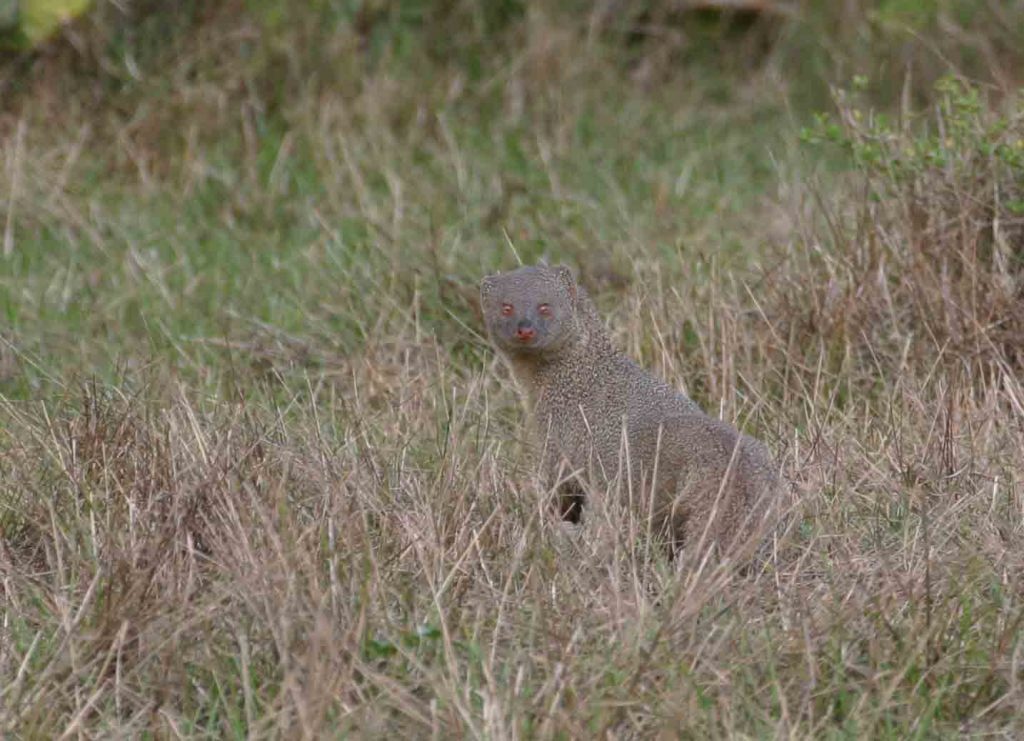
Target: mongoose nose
525 333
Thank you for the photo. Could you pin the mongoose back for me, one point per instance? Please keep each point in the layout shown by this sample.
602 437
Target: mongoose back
601 418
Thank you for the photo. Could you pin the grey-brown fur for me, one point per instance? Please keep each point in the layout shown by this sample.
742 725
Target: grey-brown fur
583 394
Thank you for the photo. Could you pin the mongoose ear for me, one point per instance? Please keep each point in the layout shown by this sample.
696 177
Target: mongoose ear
487 285
565 275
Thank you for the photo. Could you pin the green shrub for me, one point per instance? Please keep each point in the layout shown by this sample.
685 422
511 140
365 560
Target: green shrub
29 22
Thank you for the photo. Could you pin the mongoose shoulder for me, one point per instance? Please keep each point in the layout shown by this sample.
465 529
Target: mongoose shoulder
600 418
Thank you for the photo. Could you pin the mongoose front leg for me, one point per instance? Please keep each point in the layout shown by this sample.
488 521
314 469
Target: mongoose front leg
568 495
569 500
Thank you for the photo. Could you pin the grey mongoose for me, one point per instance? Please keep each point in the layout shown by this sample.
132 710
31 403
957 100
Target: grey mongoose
601 419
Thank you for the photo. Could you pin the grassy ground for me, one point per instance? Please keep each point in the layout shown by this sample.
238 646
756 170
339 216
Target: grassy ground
261 475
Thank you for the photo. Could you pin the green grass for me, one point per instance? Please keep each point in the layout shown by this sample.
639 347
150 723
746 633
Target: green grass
260 474
323 211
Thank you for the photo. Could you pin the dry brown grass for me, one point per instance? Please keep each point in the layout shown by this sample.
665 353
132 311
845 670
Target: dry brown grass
295 502
187 566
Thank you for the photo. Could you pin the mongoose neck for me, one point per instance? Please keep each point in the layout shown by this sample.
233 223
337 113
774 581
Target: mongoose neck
574 369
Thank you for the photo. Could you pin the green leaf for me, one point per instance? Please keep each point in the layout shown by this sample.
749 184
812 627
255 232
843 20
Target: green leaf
40 18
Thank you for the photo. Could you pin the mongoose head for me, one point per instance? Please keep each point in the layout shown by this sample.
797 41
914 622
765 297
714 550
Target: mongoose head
530 311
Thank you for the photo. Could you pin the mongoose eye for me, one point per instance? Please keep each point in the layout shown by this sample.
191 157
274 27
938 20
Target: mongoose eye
544 310
506 309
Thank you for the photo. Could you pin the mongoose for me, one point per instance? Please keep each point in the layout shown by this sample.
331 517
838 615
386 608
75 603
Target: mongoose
600 418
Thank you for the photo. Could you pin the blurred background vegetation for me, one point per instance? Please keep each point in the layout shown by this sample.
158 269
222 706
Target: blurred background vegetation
166 163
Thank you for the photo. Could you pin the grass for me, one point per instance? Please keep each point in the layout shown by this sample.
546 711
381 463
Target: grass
260 474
